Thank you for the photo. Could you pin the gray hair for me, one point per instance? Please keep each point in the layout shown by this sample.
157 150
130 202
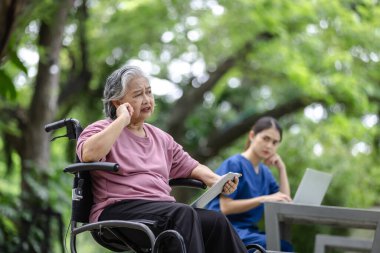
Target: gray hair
116 87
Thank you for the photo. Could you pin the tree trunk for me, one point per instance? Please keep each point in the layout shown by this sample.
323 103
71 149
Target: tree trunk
35 153
9 11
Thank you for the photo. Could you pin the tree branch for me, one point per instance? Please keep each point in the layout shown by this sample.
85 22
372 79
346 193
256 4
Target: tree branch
187 103
224 137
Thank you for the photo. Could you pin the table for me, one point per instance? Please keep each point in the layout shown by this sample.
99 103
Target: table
323 242
279 215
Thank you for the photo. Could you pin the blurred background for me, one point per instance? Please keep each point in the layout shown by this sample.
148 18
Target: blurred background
216 67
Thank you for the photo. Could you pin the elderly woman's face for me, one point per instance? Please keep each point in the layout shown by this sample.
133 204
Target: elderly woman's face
139 95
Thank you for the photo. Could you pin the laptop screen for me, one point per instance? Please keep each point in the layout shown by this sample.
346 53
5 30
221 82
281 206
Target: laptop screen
313 187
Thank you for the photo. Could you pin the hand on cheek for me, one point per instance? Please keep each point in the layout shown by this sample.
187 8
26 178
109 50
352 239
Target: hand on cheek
275 160
125 110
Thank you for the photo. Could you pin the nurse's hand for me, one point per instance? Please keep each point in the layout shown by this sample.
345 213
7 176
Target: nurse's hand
277 197
276 161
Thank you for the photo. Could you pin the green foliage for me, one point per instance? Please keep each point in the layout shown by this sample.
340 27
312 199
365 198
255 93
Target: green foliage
8 90
320 52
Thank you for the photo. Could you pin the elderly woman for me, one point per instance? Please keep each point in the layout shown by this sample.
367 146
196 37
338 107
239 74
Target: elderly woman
148 157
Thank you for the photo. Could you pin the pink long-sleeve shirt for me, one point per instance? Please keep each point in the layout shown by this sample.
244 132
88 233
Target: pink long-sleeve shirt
145 166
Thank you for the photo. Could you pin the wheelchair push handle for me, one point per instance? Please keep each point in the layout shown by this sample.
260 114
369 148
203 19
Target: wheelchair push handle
61 123
73 128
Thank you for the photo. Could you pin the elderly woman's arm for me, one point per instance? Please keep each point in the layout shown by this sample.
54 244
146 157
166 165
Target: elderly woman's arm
99 145
207 176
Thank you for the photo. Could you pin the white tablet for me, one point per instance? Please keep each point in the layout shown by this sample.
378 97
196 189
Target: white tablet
214 190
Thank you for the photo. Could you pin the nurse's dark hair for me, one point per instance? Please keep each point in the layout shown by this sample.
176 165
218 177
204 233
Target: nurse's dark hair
262 124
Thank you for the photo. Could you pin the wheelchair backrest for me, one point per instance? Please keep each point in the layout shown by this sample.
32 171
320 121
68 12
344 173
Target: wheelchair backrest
81 206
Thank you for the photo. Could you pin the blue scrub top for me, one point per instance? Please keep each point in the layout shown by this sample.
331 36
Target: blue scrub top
250 185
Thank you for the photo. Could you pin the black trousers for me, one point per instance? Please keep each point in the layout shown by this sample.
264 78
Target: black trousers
202 230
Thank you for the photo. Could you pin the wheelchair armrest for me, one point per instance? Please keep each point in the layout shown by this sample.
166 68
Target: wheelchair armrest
187 182
82 167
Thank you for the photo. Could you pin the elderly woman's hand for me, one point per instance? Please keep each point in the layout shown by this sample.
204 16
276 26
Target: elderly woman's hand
231 186
125 110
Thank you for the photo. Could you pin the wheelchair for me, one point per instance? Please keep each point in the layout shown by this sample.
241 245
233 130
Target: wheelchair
115 235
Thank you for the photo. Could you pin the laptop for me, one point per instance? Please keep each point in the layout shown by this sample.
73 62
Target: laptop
313 187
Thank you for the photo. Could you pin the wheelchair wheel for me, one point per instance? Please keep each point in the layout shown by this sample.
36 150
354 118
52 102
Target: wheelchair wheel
255 248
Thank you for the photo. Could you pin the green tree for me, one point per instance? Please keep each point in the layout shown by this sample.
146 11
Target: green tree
31 143
311 64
